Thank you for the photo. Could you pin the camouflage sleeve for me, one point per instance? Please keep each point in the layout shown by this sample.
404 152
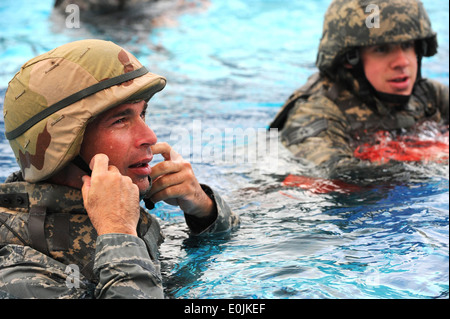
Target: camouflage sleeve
443 100
122 265
316 131
224 221
435 97
26 273
124 269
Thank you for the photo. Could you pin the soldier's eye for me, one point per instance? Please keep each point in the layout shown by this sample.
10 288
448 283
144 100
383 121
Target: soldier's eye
381 48
408 45
119 121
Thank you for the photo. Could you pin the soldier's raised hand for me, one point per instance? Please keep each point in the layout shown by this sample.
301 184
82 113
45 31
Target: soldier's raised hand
110 199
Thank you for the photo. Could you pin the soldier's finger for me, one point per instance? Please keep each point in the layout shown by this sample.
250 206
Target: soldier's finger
112 168
163 149
99 164
85 188
166 151
166 167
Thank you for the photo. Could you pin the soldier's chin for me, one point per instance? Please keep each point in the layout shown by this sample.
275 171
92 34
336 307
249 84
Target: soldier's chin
144 185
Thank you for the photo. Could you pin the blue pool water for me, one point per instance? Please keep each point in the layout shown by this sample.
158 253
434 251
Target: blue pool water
230 65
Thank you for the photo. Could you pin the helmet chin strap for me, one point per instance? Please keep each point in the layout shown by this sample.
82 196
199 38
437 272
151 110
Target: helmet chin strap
81 164
397 99
147 201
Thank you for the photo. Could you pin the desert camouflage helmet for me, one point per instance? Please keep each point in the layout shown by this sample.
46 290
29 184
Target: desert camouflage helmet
350 24
51 99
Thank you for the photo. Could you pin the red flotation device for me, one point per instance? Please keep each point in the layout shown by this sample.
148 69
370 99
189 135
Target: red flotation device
319 185
384 149
404 148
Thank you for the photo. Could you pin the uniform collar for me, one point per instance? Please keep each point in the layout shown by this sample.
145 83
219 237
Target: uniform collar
56 198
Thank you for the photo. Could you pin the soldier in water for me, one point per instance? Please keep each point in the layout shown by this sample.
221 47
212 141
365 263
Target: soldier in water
369 80
73 230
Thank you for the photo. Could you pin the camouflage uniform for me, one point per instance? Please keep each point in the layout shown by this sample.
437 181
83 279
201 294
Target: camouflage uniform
48 246
336 109
37 245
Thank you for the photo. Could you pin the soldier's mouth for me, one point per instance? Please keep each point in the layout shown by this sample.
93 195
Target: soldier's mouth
141 167
142 162
138 165
400 79
400 83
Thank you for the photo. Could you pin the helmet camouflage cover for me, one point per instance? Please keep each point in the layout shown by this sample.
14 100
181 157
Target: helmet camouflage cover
51 99
354 23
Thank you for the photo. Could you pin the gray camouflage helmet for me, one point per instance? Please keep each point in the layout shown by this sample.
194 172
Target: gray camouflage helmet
349 24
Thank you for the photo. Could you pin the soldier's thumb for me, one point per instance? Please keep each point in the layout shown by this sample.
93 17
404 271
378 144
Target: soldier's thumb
86 187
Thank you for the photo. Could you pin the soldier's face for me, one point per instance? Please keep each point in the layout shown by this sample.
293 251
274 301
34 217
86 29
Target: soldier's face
391 68
122 134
